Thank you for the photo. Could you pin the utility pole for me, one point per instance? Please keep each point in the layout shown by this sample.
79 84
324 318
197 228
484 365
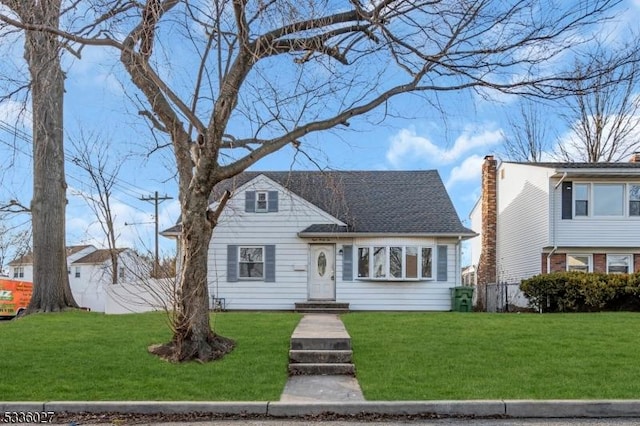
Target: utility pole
156 199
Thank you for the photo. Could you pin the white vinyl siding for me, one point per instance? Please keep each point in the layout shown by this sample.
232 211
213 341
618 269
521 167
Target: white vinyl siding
523 220
596 231
281 228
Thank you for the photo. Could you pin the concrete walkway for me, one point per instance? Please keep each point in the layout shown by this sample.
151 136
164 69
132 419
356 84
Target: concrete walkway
317 388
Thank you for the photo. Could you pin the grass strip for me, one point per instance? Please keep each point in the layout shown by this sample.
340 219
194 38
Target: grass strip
440 356
89 356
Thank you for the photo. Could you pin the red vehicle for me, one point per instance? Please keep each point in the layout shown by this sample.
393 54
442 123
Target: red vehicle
14 297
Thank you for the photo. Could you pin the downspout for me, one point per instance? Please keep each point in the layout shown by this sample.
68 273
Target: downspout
459 261
553 222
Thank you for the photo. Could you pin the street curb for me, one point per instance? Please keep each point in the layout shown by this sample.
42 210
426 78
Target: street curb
389 408
277 409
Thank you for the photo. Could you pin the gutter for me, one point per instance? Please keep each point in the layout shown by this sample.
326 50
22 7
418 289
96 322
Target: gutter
553 221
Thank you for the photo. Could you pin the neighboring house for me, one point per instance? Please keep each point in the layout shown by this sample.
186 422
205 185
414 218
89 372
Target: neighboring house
539 217
21 268
378 240
89 272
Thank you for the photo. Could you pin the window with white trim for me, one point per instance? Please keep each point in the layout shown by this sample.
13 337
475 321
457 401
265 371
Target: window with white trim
395 263
634 199
618 263
251 262
579 262
77 272
581 199
606 199
18 272
261 201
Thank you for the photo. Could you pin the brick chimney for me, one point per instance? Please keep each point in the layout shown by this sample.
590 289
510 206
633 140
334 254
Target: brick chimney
489 205
635 157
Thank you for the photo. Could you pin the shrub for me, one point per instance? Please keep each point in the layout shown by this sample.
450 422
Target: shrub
583 292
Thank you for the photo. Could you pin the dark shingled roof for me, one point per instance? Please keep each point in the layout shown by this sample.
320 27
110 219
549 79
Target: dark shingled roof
98 256
377 202
27 259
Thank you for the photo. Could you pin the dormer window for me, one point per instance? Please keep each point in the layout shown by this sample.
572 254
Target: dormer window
261 201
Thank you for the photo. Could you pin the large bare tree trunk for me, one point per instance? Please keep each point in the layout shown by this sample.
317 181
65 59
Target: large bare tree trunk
51 291
193 338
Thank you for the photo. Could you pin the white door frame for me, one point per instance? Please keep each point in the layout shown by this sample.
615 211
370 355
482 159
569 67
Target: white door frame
321 275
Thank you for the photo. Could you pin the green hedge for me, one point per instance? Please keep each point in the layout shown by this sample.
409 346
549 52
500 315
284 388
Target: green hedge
583 292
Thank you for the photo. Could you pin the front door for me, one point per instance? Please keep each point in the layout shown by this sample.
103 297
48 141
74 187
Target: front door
322 283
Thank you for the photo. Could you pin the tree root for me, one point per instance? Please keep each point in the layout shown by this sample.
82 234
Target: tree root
210 349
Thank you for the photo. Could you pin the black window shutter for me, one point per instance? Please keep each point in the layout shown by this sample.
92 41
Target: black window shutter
250 201
442 263
347 263
272 204
567 200
270 263
232 263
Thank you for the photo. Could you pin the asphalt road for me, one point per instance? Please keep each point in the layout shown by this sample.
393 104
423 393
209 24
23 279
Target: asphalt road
437 422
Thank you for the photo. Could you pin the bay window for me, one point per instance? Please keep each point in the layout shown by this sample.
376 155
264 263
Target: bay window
395 263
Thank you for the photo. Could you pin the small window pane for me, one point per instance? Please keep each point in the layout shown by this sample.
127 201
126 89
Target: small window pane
363 262
395 262
581 199
261 201
617 264
379 262
608 199
412 262
634 200
577 263
251 254
250 262
582 207
251 270
426 262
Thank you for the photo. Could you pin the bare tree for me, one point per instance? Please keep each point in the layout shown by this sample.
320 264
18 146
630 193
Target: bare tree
603 116
15 239
267 74
527 138
91 155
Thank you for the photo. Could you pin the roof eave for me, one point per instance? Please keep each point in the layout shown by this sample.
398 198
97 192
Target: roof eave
461 235
612 172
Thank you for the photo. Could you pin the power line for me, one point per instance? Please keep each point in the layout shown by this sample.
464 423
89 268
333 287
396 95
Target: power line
156 201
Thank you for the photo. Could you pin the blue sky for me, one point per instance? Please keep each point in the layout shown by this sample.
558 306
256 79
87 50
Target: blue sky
453 141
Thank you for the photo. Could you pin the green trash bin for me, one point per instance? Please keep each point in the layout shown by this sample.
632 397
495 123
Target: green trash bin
462 299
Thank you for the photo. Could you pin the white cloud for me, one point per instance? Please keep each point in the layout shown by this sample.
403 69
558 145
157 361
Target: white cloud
469 170
12 112
407 146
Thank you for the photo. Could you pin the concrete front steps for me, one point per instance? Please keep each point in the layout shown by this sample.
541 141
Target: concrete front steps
320 345
322 307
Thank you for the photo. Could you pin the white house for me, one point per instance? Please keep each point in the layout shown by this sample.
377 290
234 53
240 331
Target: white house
89 272
538 217
375 240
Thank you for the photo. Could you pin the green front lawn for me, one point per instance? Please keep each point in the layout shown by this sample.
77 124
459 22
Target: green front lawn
91 356
398 356
427 356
